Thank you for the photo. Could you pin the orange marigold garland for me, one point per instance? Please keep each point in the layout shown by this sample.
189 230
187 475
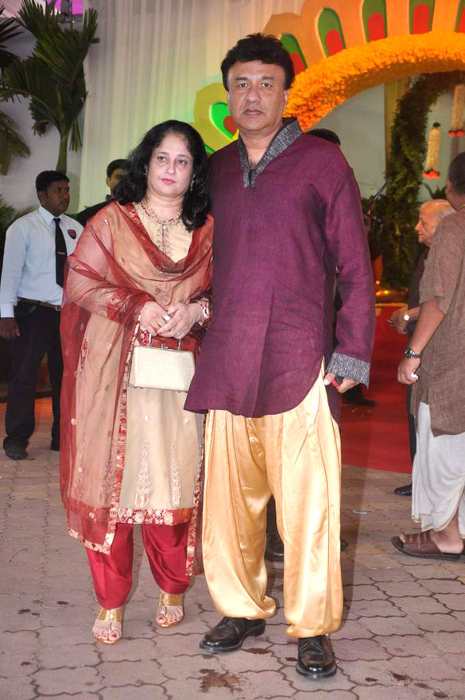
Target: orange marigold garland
330 82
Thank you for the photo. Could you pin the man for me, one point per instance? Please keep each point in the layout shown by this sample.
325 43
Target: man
31 290
434 364
404 319
115 171
287 215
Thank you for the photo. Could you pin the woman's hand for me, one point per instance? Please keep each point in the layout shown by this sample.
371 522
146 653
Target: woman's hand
152 317
182 318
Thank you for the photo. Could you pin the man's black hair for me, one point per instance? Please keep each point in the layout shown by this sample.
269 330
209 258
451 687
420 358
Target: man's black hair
117 164
457 173
259 47
47 177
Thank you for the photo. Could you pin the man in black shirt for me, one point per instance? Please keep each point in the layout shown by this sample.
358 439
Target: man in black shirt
115 171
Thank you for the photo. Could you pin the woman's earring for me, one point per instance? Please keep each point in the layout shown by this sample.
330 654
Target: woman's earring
146 169
191 186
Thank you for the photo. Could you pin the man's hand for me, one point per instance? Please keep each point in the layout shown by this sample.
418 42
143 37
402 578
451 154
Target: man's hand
344 386
406 372
9 328
397 320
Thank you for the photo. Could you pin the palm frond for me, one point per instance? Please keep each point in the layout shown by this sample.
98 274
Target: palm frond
11 143
75 141
9 29
53 77
64 51
30 78
38 19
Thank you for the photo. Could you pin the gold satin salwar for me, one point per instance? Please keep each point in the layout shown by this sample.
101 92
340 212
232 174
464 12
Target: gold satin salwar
296 457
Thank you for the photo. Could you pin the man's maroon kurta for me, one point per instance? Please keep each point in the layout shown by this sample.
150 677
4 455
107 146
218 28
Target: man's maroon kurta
283 232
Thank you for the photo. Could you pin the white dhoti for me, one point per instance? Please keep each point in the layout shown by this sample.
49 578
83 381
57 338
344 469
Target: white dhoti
438 476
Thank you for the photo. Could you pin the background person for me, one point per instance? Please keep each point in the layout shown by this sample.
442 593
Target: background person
433 364
132 455
404 319
31 292
116 170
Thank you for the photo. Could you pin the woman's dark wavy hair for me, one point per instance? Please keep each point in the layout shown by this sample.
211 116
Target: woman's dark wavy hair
133 186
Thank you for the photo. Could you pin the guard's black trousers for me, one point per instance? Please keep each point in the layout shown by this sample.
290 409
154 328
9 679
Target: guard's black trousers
40 334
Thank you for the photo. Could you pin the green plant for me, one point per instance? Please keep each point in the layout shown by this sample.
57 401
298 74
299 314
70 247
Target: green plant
53 77
7 216
404 175
11 143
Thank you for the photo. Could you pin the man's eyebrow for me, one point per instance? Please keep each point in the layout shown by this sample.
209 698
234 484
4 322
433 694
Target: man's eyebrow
262 77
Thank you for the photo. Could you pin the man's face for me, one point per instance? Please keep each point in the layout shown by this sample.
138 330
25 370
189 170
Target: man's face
114 178
256 96
427 225
56 197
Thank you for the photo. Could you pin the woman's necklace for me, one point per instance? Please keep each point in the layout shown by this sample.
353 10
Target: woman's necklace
163 223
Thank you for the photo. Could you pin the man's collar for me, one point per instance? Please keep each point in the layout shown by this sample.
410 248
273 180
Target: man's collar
46 215
289 132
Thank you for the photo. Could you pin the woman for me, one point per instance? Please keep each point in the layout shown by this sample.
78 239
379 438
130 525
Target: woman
131 455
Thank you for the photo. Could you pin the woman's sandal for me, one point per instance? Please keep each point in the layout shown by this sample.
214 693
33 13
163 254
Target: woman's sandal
108 626
170 609
420 544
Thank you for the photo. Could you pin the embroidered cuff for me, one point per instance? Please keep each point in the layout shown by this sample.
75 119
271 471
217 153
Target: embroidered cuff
346 366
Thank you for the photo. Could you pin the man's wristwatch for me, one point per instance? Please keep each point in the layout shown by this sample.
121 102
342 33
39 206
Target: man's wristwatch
409 353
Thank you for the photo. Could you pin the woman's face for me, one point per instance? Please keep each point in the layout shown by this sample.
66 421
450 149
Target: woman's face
170 168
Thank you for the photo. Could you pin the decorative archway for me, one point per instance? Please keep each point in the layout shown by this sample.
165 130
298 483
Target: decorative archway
330 82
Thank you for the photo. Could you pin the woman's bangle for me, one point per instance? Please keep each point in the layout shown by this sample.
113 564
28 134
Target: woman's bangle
205 310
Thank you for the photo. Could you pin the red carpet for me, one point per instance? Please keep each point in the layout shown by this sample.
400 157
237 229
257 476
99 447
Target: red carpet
377 437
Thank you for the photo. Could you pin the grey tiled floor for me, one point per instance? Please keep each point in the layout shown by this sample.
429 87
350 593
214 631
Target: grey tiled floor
402 636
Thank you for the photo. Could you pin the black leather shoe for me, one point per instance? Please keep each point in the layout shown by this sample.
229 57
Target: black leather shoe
316 657
230 632
55 445
403 490
14 450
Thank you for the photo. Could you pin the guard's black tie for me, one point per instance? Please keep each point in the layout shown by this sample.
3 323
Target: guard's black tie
60 253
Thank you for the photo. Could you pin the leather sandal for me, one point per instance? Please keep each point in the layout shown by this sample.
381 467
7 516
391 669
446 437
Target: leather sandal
170 609
420 544
108 625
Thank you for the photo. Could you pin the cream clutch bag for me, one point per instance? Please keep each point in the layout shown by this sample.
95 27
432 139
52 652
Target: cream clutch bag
161 368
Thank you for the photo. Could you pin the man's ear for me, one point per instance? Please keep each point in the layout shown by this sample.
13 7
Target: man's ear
107 180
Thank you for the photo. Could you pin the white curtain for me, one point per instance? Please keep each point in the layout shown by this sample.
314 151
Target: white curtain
153 56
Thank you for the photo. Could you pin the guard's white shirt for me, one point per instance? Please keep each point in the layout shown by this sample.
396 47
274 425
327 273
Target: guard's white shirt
29 263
